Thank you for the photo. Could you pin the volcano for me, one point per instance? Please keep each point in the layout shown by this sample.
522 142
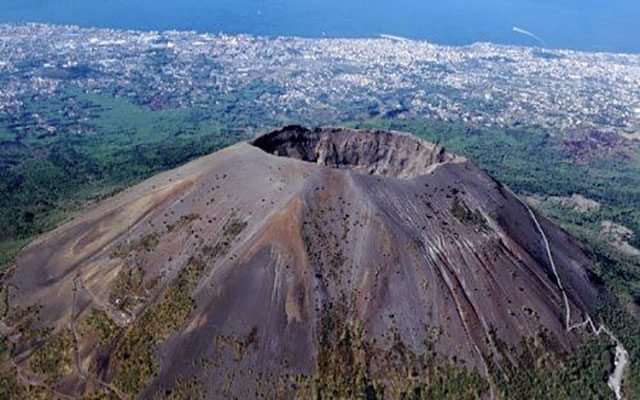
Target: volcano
328 263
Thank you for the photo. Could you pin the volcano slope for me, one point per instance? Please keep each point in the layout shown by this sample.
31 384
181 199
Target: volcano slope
327 263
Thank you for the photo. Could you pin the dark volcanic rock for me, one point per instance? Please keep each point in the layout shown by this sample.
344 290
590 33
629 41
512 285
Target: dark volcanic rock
327 262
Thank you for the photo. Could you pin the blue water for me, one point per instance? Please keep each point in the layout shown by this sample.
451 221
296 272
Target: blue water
599 25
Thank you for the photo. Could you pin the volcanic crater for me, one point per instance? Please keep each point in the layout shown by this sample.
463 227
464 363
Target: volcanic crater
327 262
383 153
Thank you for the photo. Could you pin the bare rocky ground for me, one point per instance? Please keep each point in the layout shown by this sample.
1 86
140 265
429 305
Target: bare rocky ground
306 262
619 236
576 202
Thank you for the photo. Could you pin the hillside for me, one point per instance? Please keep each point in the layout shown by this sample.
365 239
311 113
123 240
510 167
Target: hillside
326 263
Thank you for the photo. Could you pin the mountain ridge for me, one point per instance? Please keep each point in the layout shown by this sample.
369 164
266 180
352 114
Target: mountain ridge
197 276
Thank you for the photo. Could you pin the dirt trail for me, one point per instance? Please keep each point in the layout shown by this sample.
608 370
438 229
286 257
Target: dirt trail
622 356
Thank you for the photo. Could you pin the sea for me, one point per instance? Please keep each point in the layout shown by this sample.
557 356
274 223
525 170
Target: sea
590 25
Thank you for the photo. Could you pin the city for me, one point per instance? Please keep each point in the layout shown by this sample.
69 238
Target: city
320 80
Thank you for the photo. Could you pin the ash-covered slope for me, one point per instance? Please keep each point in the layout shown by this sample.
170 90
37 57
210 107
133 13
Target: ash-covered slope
327 262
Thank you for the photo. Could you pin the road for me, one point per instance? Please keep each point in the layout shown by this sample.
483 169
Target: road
622 356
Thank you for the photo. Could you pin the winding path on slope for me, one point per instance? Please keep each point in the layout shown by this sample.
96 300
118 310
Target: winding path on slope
622 356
